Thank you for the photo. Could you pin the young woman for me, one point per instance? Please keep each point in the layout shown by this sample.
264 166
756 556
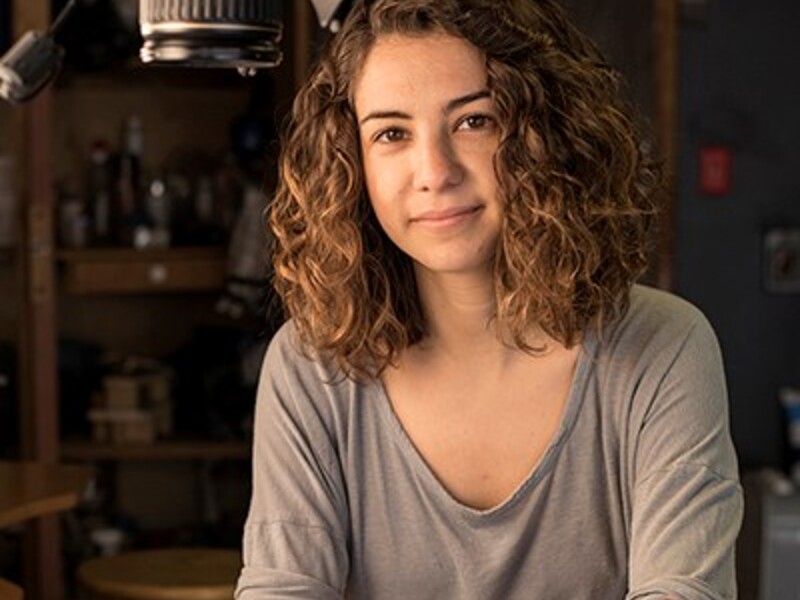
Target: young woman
472 399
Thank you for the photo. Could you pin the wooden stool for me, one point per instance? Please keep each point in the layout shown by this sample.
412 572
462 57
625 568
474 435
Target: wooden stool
10 591
172 574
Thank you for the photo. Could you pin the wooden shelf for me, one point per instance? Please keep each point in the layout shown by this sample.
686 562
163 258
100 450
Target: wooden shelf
30 489
131 271
88 450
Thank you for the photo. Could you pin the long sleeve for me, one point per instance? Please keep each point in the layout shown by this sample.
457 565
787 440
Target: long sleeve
686 503
295 539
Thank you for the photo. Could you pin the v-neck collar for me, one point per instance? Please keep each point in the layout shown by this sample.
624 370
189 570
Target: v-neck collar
583 367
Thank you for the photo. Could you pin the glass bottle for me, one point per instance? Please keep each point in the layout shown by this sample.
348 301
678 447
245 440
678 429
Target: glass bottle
129 181
100 193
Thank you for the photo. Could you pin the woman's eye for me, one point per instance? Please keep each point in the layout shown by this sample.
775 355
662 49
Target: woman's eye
475 122
392 134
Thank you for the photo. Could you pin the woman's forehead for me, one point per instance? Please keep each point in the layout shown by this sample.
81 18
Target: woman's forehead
432 63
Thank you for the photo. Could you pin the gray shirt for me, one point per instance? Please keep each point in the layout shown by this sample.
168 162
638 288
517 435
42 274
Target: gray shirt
636 497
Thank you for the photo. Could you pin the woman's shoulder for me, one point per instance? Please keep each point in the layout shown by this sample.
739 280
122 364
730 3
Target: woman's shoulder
286 361
290 358
296 381
285 340
658 320
288 349
656 309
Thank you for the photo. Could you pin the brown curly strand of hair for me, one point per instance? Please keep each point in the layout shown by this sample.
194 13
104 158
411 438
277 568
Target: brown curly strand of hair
578 191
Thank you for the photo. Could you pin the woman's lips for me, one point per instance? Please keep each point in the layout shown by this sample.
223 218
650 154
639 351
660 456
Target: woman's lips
447 216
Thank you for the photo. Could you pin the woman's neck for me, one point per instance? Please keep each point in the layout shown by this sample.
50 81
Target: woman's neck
460 316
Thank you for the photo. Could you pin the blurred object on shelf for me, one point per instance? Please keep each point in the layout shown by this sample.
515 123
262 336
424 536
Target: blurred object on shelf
129 182
158 209
205 211
229 184
106 207
109 541
100 193
196 214
114 426
192 199
9 206
790 400
248 258
73 216
135 404
204 202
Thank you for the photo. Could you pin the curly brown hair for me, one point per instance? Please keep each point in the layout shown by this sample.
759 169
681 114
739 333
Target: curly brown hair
576 187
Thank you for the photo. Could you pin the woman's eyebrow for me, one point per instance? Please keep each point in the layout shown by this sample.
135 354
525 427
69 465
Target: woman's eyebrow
462 100
385 114
452 105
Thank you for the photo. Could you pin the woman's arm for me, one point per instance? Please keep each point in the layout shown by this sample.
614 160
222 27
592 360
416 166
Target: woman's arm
295 540
687 502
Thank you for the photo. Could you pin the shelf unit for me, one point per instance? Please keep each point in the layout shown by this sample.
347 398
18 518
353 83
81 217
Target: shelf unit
43 269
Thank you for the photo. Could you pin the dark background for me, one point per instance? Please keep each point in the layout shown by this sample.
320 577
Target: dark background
739 87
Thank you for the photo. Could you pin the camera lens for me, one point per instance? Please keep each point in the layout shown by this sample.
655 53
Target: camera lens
245 34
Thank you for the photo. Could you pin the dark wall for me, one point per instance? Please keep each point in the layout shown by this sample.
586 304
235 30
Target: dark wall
739 87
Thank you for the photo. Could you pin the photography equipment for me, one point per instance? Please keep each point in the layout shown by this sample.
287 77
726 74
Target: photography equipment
241 34
33 61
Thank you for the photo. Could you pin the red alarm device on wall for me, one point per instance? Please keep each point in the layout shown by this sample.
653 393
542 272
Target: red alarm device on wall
716 170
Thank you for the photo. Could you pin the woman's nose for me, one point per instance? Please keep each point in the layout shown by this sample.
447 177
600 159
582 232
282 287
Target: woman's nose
437 166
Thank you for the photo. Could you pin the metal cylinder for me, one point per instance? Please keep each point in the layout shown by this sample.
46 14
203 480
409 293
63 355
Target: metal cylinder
213 33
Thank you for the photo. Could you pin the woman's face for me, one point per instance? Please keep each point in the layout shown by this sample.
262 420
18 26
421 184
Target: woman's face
428 134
